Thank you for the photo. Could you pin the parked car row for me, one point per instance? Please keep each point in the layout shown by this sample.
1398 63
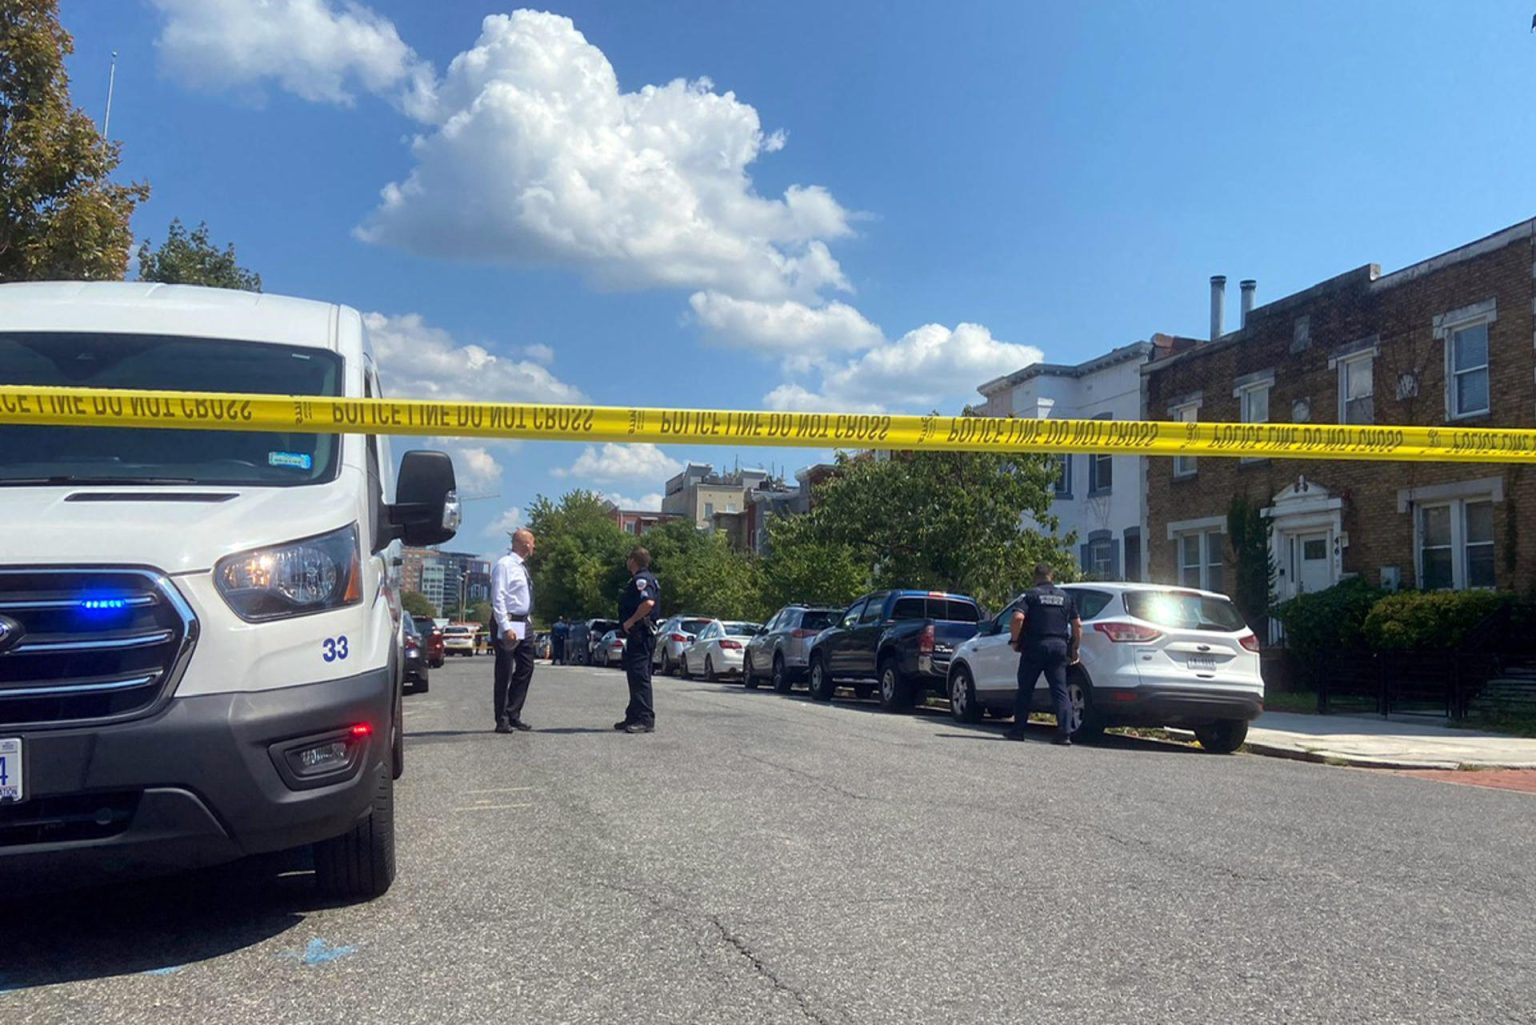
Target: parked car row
1151 656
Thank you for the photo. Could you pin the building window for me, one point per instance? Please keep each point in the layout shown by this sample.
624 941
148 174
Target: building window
1101 473
1185 466
709 510
1252 395
1132 553
1456 545
1101 559
1064 476
1467 374
1357 389
1200 560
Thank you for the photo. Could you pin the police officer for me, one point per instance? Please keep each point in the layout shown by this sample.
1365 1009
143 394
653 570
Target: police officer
1046 632
639 605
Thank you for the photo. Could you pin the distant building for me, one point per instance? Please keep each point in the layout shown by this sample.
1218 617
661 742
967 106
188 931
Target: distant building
698 493
637 521
444 576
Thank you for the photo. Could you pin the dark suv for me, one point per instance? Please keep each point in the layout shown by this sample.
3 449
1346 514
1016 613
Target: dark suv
781 650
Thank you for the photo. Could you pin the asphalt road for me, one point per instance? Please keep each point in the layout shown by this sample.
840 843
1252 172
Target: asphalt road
768 859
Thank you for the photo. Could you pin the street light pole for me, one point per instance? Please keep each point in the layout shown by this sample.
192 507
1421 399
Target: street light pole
106 122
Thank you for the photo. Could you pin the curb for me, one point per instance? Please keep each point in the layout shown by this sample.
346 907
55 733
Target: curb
1349 761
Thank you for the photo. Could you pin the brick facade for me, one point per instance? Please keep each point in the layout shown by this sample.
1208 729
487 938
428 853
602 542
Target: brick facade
1372 519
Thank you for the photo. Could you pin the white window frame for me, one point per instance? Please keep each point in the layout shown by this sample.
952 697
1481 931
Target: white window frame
1344 364
1248 389
1460 548
1062 488
1097 460
1106 546
1209 535
1185 466
1447 326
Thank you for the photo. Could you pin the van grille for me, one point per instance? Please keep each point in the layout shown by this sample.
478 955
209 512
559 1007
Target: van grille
87 645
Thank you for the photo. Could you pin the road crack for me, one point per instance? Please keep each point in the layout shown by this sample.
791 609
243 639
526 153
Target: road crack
762 969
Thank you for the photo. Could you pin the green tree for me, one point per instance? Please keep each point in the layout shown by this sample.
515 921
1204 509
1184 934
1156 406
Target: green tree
579 566
944 520
803 566
190 258
61 216
417 604
1248 533
700 572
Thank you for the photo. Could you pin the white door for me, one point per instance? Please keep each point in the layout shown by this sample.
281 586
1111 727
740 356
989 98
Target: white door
994 663
1314 562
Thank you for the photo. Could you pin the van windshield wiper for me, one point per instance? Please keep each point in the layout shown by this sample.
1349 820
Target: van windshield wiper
66 478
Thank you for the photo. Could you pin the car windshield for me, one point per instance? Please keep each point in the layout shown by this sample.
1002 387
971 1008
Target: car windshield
741 629
456 631
819 619
63 455
1185 610
692 626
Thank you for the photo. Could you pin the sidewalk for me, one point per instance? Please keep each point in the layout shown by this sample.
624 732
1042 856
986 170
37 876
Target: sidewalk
1378 743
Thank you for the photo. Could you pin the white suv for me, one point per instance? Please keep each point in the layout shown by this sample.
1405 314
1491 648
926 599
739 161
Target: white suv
1151 656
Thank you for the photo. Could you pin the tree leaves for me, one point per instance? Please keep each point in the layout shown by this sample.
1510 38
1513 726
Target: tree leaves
192 259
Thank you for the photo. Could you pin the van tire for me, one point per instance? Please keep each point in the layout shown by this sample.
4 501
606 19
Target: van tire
359 864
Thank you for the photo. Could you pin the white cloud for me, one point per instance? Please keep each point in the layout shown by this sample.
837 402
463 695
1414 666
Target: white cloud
535 157
476 469
612 462
318 50
540 354
420 361
784 327
645 503
932 367
507 522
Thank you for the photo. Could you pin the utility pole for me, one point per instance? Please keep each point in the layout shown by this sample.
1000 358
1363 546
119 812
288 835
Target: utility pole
106 122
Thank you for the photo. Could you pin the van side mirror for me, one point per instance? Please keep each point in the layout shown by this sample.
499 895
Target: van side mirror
426 509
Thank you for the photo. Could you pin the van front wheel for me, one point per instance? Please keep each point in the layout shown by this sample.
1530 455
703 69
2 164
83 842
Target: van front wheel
360 863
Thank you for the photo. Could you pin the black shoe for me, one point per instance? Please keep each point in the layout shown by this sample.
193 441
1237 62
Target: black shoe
503 727
519 725
1017 733
622 725
1062 741
640 727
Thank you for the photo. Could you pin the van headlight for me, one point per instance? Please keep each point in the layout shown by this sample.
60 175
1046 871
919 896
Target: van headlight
293 579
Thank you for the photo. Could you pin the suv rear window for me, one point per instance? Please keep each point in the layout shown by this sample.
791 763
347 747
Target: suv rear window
692 626
819 619
950 610
1090 603
1185 610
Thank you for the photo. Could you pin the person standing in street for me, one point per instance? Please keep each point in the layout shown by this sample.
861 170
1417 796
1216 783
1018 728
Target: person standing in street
1046 632
639 605
511 604
557 636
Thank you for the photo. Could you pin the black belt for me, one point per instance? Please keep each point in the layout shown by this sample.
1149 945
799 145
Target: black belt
517 617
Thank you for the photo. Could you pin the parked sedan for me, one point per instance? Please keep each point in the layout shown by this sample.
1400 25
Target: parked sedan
414 662
1151 656
609 650
674 636
459 639
718 649
780 649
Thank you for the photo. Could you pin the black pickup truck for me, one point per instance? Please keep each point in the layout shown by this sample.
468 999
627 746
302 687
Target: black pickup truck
900 640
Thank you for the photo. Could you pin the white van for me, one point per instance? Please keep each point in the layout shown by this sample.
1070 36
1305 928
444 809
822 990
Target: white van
200 630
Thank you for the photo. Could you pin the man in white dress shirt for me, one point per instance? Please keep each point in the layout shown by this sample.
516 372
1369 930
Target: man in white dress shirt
511 604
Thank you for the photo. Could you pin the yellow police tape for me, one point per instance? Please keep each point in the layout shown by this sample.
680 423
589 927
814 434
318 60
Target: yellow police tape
86 407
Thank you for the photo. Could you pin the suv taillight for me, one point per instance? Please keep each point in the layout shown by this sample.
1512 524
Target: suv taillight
678 638
1127 633
925 640
1249 641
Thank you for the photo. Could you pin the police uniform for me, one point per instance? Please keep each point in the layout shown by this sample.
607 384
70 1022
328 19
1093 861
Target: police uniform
639 643
1044 640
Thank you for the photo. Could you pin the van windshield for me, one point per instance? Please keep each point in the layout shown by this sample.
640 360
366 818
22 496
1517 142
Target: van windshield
109 455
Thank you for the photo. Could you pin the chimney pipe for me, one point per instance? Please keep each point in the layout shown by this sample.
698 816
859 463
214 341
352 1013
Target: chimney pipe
1218 304
1248 287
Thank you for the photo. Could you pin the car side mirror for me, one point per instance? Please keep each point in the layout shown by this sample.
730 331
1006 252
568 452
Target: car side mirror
426 509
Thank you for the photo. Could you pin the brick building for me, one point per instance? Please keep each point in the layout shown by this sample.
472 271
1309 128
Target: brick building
1445 342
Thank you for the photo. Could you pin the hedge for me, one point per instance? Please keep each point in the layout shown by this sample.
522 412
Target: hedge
1429 620
1326 622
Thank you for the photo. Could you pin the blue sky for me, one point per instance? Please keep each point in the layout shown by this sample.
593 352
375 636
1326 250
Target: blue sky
855 205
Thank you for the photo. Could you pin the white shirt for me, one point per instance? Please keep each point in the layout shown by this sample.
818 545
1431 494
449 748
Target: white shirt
511 594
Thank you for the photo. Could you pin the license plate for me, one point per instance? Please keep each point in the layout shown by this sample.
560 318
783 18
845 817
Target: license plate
1202 663
11 788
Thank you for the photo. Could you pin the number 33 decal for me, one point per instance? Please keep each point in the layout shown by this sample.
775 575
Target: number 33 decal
333 648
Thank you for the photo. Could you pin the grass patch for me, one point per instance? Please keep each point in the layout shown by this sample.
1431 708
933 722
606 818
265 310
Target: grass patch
1291 701
1514 725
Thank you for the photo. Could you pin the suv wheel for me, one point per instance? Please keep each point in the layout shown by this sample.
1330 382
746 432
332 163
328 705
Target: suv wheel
748 674
822 684
1087 722
1223 736
781 681
895 692
360 864
962 695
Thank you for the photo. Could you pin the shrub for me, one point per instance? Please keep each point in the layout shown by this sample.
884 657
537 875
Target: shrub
1429 620
1326 622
